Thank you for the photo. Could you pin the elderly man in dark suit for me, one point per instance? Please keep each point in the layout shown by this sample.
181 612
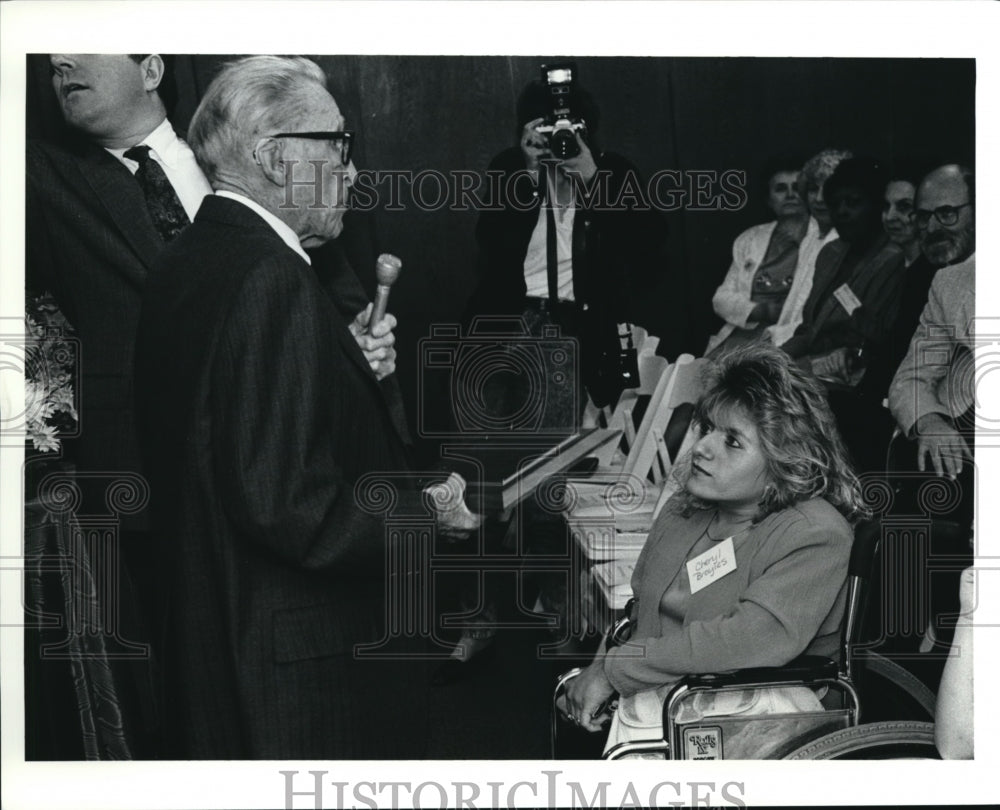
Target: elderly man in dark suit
261 414
100 207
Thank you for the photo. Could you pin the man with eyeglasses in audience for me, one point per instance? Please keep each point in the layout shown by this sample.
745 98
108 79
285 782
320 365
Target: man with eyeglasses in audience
932 400
931 396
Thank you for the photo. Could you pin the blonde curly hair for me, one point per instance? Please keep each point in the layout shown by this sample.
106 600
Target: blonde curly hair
805 456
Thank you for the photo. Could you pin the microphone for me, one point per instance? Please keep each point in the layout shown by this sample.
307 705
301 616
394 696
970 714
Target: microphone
387 269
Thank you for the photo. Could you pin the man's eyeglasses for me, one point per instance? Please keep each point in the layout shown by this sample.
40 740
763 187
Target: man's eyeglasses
346 138
947 215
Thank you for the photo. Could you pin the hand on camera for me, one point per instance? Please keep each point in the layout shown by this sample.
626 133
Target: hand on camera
535 148
583 164
534 145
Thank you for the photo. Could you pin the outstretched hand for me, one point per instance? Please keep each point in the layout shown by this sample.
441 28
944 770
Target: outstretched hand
454 519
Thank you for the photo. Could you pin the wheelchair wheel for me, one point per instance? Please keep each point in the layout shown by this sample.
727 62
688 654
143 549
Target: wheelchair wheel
897 692
894 739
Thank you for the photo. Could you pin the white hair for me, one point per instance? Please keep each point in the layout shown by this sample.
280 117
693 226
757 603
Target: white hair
249 98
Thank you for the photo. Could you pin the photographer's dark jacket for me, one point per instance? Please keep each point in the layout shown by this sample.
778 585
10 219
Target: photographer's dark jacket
618 240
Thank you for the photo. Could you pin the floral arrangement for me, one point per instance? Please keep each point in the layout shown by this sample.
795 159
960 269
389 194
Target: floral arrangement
50 361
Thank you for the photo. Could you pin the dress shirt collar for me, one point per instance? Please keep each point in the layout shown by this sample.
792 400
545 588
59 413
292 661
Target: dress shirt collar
287 234
163 142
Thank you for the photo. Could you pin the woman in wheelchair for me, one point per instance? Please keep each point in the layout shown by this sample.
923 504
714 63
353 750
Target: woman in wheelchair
746 565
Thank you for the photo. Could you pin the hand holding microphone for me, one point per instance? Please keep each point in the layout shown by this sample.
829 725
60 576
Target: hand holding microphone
372 327
387 269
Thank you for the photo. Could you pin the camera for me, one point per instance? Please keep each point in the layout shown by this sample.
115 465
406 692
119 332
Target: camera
498 380
561 125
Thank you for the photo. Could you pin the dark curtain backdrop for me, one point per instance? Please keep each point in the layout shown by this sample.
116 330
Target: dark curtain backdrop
449 113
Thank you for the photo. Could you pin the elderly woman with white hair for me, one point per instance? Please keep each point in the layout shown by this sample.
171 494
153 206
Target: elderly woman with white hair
812 179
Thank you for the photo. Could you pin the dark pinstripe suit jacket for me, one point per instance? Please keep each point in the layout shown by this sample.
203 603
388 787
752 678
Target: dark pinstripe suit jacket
90 241
259 414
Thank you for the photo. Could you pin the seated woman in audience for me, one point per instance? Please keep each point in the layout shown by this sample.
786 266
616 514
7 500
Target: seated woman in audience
900 226
898 204
767 487
856 284
765 256
812 180
766 260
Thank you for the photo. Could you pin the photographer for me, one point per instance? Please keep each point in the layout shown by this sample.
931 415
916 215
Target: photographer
608 239
575 245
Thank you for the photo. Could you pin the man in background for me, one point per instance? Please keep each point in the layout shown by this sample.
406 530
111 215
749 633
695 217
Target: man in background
99 211
98 214
931 396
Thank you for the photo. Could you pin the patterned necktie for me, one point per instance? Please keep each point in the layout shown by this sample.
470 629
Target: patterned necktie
165 208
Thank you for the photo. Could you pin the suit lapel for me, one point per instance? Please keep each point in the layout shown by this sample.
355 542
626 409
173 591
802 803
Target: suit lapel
821 286
232 212
121 196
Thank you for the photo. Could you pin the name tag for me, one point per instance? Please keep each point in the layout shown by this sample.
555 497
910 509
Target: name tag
711 565
848 300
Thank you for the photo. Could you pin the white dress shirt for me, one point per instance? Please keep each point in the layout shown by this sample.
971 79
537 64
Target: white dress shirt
178 162
536 265
287 234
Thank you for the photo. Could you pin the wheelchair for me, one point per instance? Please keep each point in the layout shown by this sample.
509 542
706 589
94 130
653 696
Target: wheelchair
835 732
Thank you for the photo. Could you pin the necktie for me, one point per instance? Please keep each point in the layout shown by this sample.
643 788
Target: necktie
165 208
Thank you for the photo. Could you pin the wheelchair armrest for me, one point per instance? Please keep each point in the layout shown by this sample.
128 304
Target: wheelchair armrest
621 630
805 668
564 679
